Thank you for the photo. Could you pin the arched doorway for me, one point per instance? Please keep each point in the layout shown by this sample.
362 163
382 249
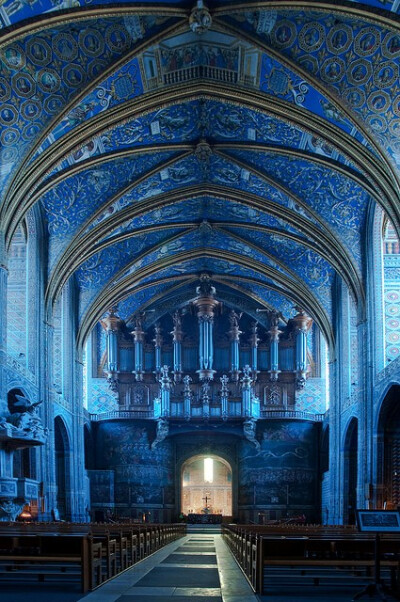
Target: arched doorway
324 476
206 485
389 451
350 473
62 457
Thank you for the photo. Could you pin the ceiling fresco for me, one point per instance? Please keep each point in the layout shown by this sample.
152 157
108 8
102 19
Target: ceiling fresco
156 148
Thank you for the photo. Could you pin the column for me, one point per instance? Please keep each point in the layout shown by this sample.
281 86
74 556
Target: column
158 341
234 337
138 340
112 324
274 333
205 305
165 393
177 335
246 384
3 307
254 340
302 324
187 397
224 393
206 398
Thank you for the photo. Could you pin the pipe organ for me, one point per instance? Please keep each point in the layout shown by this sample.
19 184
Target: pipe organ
206 360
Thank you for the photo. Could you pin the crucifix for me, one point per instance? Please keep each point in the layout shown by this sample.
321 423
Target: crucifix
207 500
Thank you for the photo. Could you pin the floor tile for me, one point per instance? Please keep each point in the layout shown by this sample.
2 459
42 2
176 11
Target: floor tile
213 592
183 577
145 591
190 559
152 598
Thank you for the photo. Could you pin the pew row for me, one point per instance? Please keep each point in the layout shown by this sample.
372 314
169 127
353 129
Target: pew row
330 556
92 553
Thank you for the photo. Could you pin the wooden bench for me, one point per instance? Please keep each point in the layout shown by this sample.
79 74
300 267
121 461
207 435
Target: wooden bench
102 552
64 556
317 553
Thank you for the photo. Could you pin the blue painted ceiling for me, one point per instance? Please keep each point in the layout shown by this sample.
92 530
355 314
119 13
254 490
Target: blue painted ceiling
254 151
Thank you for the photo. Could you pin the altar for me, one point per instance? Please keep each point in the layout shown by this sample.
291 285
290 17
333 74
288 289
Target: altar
205 519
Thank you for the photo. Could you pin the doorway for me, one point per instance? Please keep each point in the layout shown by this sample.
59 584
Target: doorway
206 486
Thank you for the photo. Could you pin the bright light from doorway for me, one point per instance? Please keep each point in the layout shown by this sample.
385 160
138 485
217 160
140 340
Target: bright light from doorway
208 470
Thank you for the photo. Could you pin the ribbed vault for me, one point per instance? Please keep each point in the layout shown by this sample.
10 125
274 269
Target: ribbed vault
253 152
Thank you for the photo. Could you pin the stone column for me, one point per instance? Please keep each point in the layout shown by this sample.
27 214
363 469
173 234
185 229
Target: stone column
205 305
246 384
224 397
206 398
165 394
112 324
3 308
302 324
254 340
138 339
274 334
177 335
187 397
234 337
158 341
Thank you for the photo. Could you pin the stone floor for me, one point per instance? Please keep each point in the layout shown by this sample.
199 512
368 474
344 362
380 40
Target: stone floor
198 567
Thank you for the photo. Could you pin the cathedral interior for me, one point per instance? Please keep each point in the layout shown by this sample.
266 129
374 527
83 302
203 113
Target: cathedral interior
199 259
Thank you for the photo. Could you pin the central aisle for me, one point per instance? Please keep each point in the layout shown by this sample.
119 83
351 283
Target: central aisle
198 567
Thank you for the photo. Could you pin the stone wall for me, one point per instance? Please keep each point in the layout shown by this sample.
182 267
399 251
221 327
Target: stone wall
281 477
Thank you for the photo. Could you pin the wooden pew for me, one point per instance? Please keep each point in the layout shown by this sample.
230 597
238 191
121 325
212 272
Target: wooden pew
107 549
65 556
314 553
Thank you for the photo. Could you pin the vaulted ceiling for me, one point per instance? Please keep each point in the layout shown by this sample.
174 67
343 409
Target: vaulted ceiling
253 150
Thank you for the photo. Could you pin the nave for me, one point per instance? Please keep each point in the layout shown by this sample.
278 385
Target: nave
201 568
198 567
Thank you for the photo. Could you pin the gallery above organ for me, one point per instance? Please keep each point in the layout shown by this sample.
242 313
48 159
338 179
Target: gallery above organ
206 359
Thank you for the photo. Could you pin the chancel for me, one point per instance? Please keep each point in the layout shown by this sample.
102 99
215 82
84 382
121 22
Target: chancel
199 284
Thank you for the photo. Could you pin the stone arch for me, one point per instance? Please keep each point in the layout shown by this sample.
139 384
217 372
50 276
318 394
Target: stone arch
200 495
350 472
62 450
89 448
222 446
388 450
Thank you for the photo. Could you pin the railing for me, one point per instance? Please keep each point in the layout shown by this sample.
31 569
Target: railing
200 71
121 414
291 414
214 413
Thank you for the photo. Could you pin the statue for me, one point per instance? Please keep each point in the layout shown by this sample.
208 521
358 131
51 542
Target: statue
274 317
10 509
205 289
139 318
234 319
224 386
162 432
28 418
187 391
113 383
176 318
249 431
300 382
3 423
200 19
